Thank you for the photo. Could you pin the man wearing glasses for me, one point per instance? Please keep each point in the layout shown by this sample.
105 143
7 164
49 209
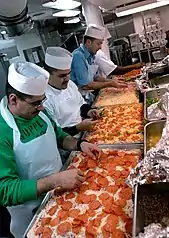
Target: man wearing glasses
29 157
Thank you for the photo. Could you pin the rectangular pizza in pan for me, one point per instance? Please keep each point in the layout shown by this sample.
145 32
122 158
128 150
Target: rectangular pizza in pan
119 124
108 98
101 207
130 75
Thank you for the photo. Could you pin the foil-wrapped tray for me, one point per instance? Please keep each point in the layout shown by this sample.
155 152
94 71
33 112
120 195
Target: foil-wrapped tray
152 131
144 214
152 94
138 147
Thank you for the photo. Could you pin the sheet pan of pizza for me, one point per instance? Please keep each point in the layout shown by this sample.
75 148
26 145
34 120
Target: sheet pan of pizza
101 207
118 124
107 97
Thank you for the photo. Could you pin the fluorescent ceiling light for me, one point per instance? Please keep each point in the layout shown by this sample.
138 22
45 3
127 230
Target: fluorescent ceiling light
62 4
66 13
72 21
142 8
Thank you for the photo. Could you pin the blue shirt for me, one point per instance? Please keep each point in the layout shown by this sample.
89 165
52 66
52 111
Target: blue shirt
79 68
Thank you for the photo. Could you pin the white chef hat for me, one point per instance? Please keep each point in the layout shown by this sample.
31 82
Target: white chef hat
58 58
28 78
95 31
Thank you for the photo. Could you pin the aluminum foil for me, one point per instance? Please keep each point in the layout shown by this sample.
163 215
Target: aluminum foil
142 82
154 167
159 110
154 231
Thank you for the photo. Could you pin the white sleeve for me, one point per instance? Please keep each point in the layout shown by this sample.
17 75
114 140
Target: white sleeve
105 65
50 108
79 97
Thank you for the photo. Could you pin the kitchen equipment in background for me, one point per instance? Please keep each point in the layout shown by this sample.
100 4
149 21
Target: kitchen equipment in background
121 52
160 54
4 64
35 55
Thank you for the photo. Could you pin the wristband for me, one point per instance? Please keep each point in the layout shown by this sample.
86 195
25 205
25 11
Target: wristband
79 142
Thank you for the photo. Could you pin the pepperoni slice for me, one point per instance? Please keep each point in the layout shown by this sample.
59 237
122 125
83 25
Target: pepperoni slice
91 213
121 202
74 213
47 232
92 197
59 200
75 159
62 214
117 174
112 220
94 205
103 174
117 210
69 195
128 226
94 186
66 206
90 230
39 231
89 174
88 198
104 196
45 221
126 193
76 230
46 235
106 234
118 234
83 217
111 224
97 221
52 210
120 182
84 187
55 222
112 189
103 181
64 228
92 163
77 223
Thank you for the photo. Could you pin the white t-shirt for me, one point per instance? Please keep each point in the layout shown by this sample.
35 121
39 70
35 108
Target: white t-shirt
64 105
106 66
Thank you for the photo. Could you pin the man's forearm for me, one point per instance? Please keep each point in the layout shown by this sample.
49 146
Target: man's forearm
122 70
100 79
47 184
96 85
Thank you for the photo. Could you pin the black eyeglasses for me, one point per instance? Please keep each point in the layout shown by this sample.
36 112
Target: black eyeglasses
36 104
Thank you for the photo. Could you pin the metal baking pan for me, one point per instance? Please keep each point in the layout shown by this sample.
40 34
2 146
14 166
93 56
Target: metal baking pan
152 129
69 160
154 93
122 144
145 190
114 105
43 204
159 82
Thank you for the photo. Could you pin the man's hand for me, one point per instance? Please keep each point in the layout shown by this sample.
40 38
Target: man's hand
139 65
86 125
93 113
70 179
117 84
90 149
